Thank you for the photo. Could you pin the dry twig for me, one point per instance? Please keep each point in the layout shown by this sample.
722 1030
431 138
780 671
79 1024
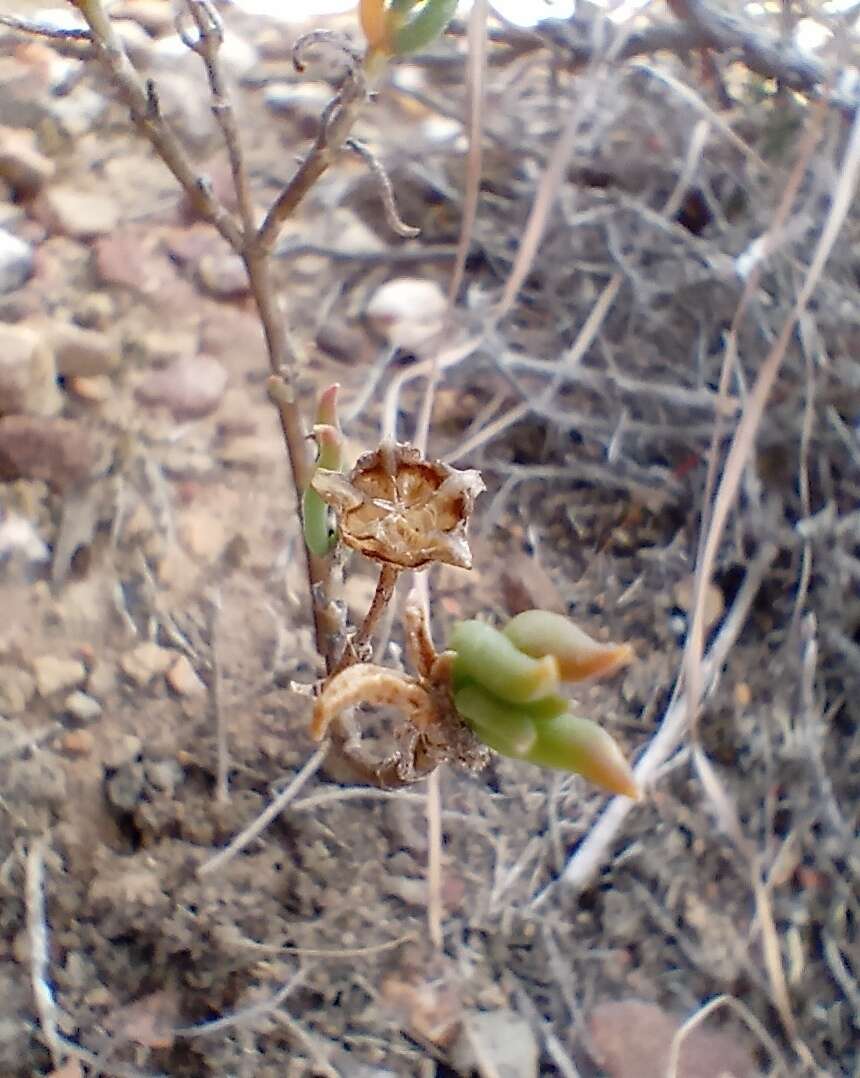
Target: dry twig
37 931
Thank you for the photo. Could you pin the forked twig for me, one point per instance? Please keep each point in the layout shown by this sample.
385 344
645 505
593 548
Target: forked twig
746 1016
336 123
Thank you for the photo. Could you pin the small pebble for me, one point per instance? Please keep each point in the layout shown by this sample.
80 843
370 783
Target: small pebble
164 775
24 167
223 276
124 788
76 213
16 262
121 750
102 681
408 311
28 377
83 352
82 707
61 452
190 387
183 679
146 662
54 675
94 390
17 687
78 742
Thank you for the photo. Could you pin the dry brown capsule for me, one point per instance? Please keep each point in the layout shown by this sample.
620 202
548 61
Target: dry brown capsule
400 509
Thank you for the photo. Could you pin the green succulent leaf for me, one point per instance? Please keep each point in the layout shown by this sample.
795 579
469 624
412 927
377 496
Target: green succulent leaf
320 536
422 25
487 657
580 745
498 725
542 632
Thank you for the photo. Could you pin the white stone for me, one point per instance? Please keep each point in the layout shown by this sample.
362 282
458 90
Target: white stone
82 707
496 1042
408 311
16 262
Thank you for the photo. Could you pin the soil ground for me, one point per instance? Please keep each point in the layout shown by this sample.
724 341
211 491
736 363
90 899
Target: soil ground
170 587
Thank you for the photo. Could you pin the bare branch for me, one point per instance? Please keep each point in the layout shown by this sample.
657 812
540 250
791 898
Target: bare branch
703 27
207 44
44 29
275 808
336 122
37 931
142 102
385 586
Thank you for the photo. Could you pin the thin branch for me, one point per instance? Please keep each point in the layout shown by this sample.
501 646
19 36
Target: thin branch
435 906
37 931
703 27
336 123
328 625
43 29
769 55
385 586
593 850
216 696
142 101
246 1015
207 44
746 1016
476 76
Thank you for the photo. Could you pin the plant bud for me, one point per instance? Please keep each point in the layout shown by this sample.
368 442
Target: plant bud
488 657
540 633
580 745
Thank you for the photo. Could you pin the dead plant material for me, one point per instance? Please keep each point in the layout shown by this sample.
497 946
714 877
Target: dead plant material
398 508
433 732
375 686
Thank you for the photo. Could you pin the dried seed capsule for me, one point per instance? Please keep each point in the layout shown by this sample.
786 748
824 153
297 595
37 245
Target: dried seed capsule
580 745
397 507
540 632
488 657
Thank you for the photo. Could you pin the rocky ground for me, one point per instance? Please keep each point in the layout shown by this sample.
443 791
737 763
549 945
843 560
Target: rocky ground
150 581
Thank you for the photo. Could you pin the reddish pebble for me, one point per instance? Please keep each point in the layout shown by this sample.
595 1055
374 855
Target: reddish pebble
191 387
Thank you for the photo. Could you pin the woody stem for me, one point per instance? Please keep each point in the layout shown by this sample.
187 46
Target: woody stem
381 598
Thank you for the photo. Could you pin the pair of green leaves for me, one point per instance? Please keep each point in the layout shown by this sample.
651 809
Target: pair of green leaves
398 27
506 688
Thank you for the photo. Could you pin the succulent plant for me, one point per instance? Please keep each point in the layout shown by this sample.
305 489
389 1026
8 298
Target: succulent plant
505 687
398 27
